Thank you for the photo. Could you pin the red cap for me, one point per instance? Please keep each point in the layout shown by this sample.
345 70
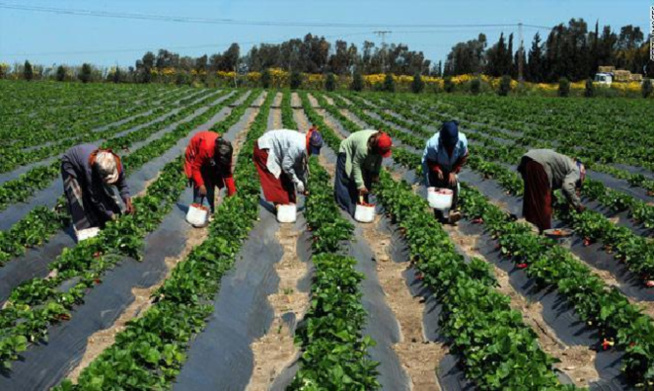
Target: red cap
384 144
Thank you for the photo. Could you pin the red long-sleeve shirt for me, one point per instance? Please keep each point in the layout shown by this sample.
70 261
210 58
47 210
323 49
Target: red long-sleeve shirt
199 153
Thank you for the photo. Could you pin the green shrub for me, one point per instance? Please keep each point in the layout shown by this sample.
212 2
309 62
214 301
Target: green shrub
28 72
418 85
564 87
389 83
330 82
357 82
266 79
475 86
296 80
505 86
448 85
646 88
589 92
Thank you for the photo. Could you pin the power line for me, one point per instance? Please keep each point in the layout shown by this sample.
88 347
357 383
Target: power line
227 21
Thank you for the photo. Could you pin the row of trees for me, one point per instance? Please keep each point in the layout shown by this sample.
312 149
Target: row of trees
571 51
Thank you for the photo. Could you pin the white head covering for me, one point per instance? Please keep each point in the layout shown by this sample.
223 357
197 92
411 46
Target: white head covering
107 167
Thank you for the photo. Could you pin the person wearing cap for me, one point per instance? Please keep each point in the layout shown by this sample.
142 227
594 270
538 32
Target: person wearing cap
358 165
208 165
281 159
445 154
543 171
88 173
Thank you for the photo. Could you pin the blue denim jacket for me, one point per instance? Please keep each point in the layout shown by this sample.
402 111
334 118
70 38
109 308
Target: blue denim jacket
436 153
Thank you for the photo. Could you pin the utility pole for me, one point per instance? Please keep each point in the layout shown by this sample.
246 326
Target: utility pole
521 54
382 34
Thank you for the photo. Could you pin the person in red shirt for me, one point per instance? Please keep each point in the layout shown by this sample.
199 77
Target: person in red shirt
209 164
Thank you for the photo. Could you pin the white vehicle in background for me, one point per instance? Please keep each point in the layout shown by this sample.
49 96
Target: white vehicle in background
604 79
606 75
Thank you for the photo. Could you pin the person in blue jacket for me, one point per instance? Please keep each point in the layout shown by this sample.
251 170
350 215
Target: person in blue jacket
445 154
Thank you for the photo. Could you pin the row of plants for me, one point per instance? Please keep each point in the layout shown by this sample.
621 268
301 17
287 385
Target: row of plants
28 146
629 247
38 178
44 112
635 251
14 157
39 302
498 350
335 352
150 352
490 122
619 322
602 307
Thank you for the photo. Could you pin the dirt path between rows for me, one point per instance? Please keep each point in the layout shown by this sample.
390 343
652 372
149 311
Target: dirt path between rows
101 340
418 356
276 349
578 362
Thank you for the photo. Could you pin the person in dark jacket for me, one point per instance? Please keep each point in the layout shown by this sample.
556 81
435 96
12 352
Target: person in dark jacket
88 173
208 165
543 171
444 156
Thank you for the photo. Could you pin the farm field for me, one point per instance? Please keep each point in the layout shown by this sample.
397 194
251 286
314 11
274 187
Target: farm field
403 303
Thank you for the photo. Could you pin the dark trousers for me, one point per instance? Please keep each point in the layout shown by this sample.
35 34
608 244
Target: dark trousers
210 181
346 193
82 211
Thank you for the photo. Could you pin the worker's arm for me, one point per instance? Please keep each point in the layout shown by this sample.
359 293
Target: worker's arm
358 158
291 160
460 163
569 188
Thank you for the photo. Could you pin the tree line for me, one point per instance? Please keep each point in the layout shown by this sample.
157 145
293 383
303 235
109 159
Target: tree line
572 51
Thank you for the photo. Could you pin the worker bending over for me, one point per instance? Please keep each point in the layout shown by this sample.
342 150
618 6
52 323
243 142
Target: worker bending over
281 158
445 153
544 171
208 165
88 173
358 165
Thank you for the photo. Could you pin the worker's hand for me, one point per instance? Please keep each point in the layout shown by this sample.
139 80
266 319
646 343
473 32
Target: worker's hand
306 193
203 191
113 217
129 207
363 191
451 179
581 208
439 175
299 187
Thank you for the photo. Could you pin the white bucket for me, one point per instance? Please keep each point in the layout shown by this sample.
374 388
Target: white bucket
87 233
440 198
197 215
364 213
286 213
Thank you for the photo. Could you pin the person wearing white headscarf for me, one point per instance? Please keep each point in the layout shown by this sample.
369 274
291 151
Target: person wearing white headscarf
88 174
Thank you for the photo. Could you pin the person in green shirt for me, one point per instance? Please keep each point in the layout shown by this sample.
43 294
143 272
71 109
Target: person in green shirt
358 165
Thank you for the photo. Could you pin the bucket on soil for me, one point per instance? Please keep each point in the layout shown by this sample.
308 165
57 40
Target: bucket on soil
197 215
286 213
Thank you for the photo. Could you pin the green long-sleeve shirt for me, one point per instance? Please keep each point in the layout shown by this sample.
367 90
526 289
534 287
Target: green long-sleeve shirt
358 159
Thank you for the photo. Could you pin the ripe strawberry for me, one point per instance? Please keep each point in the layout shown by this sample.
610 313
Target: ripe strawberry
420 277
606 344
522 265
649 283
586 242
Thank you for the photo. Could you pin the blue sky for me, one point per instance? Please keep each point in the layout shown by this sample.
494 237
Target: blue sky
47 38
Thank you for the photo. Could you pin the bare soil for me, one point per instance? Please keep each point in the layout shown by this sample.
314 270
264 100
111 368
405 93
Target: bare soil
576 361
101 340
295 100
276 349
419 356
